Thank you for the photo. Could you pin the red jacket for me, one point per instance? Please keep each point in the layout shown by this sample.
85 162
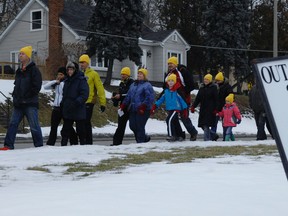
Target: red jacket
230 114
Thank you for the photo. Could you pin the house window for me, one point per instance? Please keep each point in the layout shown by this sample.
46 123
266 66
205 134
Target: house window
176 54
36 20
14 56
100 63
174 37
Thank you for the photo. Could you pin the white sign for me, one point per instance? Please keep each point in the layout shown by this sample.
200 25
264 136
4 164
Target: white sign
272 79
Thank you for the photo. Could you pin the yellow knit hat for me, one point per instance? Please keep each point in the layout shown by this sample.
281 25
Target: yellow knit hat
144 72
230 98
125 71
27 51
219 76
171 77
84 58
208 77
173 60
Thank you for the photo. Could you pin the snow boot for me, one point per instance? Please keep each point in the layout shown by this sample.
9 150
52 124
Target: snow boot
232 137
227 138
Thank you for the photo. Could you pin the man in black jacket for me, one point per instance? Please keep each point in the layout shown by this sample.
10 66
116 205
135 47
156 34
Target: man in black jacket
256 104
28 81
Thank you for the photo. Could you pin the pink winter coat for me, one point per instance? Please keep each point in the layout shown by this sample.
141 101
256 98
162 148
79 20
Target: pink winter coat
230 114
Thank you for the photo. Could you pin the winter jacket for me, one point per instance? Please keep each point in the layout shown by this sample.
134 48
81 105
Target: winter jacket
207 97
140 93
27 86
124 88
96 87
58 91
172 100
75 93
230 114
223 91
255 100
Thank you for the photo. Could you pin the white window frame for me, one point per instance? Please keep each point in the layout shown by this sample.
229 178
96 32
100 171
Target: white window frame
96 65
14 59
175 37
171 53
31 20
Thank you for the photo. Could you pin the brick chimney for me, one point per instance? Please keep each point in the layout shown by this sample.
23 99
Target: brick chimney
56 56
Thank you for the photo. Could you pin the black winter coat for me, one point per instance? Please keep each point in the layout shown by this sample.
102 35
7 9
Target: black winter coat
75 94
224 90
27 86
207 98
123 89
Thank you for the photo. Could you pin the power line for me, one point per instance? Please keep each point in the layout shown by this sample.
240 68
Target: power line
133 38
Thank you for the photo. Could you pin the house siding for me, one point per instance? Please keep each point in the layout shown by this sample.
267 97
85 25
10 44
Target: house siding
20 35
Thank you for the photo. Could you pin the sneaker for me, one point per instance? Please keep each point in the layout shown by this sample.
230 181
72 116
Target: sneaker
5 148
180 139
171 139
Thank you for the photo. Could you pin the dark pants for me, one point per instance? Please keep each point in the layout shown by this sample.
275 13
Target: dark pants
88 125
18 114
173 125
137 124
188 124
66 131
261 120
56 117
120 131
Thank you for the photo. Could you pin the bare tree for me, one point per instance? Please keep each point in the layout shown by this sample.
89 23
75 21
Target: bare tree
73 50
151 10
8 11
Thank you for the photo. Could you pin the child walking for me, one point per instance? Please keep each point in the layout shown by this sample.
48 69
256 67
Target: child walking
174 105
231 117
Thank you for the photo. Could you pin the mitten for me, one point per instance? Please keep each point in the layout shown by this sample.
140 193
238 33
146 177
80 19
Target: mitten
152 111
238 121
215 112
142 109
185 113
192 109
122 106
102 108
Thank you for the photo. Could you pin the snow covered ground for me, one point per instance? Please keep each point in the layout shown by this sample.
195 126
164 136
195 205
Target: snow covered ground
224 186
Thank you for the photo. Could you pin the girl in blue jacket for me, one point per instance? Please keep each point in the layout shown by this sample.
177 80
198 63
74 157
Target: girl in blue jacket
174 105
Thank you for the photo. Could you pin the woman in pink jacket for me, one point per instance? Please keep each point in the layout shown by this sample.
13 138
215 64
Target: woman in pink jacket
231 117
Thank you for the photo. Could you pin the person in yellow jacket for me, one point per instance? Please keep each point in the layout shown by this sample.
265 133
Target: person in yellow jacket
96 89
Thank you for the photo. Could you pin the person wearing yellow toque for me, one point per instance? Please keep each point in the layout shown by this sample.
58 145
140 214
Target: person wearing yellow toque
126 82
224 89
184 84
138 102
27 85
231 117
96 89
207 97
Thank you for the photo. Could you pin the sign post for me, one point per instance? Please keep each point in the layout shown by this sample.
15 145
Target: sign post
272 81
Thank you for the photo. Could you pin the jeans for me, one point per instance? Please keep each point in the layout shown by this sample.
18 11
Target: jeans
31 114
137 124
207 133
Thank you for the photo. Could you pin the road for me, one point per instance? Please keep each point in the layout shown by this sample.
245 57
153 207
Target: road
22 143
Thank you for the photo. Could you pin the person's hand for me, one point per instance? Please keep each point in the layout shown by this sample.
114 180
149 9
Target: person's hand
215 112
102 108
142 109
122 106
192 109
238 121
152 111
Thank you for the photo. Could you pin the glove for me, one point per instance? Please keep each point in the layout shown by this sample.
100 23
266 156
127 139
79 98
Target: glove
215 112
185 113
142 109
238 121
122 106
192 109
152 111
102 108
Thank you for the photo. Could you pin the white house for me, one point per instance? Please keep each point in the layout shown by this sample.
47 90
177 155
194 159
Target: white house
65 23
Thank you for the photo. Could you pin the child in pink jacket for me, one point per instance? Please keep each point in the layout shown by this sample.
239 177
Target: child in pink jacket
231 117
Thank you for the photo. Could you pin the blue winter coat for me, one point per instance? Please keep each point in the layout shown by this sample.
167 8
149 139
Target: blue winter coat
27 86
75 94
172 100
140 93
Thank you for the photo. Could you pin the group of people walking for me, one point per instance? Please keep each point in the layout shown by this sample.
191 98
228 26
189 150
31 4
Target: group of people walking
76 88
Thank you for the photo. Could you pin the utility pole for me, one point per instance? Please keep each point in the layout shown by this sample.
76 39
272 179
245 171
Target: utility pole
275 29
